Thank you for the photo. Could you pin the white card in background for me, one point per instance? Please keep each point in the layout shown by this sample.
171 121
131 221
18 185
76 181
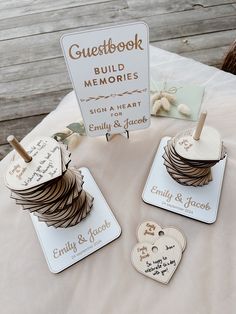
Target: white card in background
188 94
64 247
109 70
200 203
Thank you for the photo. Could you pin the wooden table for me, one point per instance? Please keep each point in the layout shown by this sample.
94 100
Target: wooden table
33 76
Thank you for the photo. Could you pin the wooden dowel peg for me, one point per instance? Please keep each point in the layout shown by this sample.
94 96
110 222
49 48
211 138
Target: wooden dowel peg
200 125
19 148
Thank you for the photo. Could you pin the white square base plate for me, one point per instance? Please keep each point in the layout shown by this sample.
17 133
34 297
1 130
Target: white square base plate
63 247
200 203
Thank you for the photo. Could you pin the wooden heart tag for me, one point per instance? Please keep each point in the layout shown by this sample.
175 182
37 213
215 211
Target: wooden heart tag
45 165
209 147
157 261
150 231
202 143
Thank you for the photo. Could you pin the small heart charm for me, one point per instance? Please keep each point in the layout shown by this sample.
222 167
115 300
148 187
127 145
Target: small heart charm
150 231
45 165
159 260
208 147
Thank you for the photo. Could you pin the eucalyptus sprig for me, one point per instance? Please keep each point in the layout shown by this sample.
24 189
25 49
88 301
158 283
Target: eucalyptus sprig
73 128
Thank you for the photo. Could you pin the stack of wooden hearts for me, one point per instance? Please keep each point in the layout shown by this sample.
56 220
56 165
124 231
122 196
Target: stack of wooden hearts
42 183
158 251
190 155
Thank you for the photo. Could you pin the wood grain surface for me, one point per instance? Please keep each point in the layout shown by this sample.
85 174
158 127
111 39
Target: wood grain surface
33 75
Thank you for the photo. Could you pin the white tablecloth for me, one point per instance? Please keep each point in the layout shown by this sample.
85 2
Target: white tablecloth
106 282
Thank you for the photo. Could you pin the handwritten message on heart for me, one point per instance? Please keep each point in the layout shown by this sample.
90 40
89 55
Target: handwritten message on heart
45 165
209 147
150 231
159 260
159 250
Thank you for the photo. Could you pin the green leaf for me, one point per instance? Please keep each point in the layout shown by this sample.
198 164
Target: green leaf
60 136
77 127
66 142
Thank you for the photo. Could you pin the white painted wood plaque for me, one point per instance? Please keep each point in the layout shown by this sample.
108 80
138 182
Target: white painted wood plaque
109 70
200 203
63 247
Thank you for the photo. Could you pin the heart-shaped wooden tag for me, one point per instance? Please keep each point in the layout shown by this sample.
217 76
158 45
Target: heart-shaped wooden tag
45 165
208 147
159 260
150 231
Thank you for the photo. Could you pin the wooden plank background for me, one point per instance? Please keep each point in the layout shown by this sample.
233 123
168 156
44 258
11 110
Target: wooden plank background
33 76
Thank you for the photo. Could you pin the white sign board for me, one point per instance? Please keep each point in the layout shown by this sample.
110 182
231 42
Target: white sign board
109 70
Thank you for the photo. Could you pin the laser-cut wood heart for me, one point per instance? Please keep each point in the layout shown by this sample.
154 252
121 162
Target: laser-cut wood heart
157 261
208 147
46 165
150 231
